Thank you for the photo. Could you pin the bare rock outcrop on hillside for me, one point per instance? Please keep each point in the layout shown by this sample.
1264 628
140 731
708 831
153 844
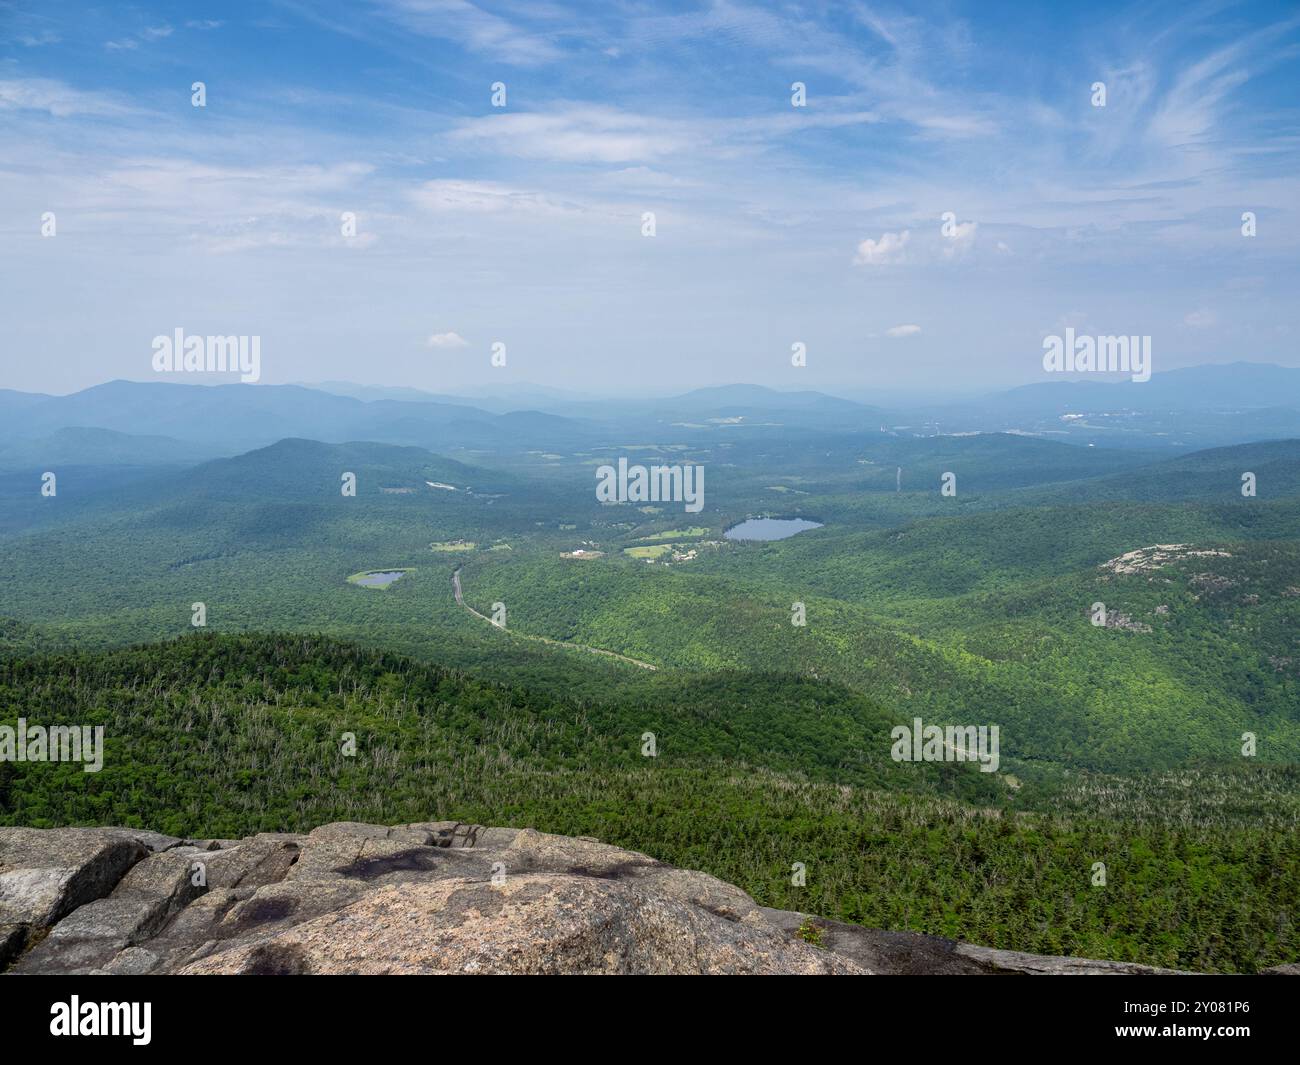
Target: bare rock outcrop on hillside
432 897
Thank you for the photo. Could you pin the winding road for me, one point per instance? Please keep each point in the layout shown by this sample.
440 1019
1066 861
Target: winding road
460 600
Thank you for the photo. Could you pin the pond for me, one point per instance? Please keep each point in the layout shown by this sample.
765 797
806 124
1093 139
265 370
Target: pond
378 578
769 528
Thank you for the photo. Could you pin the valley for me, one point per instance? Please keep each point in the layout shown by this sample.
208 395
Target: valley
768 671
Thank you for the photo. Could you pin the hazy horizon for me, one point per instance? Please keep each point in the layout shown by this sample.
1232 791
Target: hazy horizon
857 393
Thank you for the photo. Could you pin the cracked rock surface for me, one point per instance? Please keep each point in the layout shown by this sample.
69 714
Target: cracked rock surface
432 897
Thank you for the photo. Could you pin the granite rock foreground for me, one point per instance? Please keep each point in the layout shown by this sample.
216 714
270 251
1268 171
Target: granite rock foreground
432 897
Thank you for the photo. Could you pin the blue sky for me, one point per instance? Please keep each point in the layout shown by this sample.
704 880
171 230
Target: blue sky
523 224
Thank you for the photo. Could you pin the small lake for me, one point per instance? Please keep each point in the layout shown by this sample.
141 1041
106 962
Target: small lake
379 579
769 528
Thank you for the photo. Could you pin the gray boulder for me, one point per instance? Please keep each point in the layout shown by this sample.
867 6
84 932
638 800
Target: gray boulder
94 934
46 874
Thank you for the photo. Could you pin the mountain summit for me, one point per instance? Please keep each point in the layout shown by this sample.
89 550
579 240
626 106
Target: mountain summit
435 897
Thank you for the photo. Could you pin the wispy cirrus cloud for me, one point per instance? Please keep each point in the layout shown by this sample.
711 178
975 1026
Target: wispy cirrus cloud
57 98
38 39
147 35
473 27
579 134
486 197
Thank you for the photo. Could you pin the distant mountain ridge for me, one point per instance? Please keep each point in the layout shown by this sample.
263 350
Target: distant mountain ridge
1186 409
246 417
1213 386
742 395
83 446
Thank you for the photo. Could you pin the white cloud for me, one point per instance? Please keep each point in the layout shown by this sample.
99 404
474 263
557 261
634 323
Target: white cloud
1200 319
575 135
149 33
903 331
597 133
301 190
951 126
447 340
645 177
55 98
471 26
890 248
483 197
960 240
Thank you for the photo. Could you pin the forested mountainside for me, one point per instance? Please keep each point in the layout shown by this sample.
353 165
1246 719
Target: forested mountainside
222 736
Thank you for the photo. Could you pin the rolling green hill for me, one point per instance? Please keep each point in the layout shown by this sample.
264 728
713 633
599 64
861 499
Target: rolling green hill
976 614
